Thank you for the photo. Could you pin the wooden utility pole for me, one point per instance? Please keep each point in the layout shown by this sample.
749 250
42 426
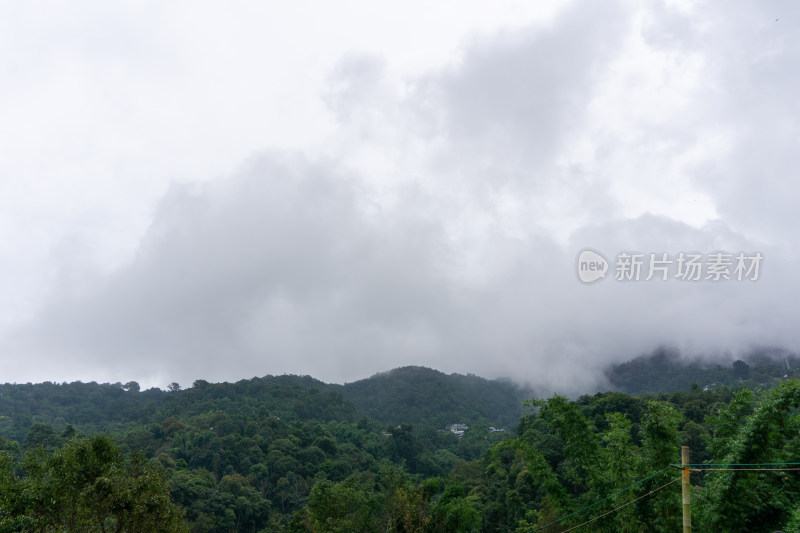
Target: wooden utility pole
686 488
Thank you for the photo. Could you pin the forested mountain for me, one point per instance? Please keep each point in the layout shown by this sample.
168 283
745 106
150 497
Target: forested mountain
422 396
244 456
293 454
91 406
410 395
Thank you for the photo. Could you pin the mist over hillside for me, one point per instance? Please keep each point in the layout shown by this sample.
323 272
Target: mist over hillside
413 395
413 445
423 395
666 370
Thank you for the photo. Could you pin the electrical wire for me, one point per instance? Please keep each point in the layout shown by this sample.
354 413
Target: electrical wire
704 467
623 505
601 501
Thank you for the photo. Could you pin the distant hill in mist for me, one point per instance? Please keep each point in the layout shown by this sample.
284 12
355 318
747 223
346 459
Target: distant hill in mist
409 395
667 371
421 395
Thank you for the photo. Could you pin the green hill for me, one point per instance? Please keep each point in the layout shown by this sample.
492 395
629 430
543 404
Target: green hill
411 395
422 396
294 454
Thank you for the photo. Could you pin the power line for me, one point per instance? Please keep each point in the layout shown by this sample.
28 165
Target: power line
601 501
623 505
703 467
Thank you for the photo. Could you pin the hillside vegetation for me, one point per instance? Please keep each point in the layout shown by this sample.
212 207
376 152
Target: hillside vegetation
666 371
291 453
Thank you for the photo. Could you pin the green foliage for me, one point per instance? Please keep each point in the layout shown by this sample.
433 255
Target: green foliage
395 504
754 431
665 370
793 525
412 395
91 407
421 396
290 453
88 485
341 507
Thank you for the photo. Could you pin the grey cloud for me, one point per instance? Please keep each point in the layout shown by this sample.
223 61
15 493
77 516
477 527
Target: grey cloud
353 83
748 101
280 269
515 96
295 263
272 270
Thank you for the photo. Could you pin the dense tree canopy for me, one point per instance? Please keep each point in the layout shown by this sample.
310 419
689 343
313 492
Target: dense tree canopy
87 485
294 454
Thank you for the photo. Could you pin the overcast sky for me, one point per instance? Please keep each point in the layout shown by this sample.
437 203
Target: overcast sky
205 190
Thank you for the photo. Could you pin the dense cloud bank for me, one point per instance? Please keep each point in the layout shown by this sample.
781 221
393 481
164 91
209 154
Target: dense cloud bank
440 225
